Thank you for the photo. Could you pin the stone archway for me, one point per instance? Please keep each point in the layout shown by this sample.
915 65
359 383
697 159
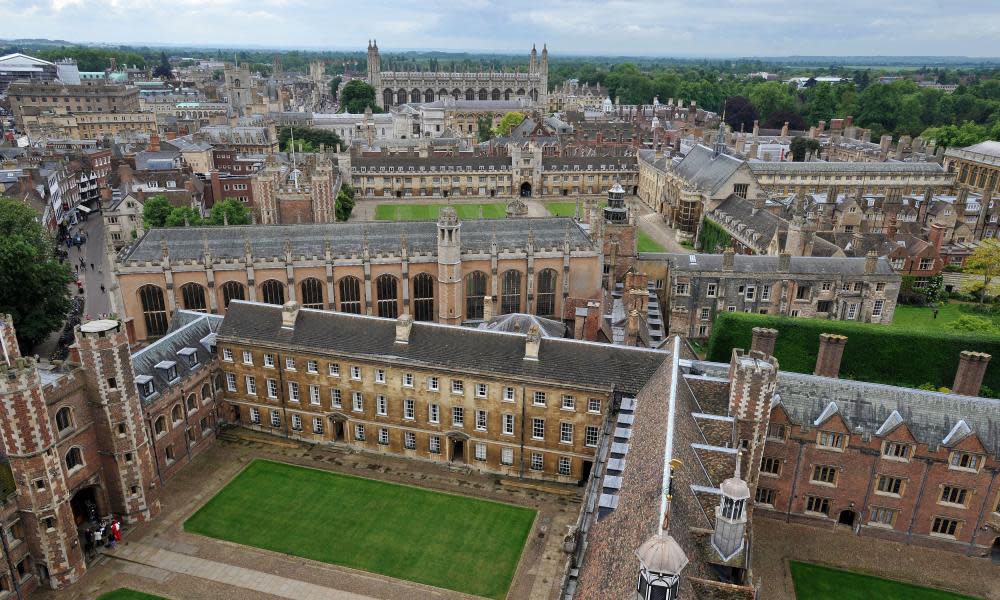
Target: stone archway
338 421
847 517
526 190
458 448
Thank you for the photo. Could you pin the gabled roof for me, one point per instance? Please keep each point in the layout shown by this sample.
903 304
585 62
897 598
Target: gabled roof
706 171
184 339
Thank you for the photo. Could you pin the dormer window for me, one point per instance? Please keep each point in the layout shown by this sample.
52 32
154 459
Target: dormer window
966 460
190 355
896 451
145 385
168 368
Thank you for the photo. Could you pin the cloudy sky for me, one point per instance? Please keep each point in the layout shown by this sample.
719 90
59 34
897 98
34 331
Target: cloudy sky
616 27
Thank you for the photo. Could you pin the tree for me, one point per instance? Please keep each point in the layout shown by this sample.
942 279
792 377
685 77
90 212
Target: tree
345 202
777 120
357 96
984 262
230 211
309 137
772 97
155 211
163 69
509 122
740 113
183 216
801 145
33 284
335 85
484 128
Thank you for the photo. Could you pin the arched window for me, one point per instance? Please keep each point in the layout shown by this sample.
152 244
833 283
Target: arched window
456 94
206 393
312 293
495 94
429 95
386 287
218 382
510 296
194 297
470 94
475 290
272 292
74 458
546 293
64 419
386 98
154 311
520 91
423 297
192 402
507 93
232 290
401 97
483 94
415 95
350 295
176 414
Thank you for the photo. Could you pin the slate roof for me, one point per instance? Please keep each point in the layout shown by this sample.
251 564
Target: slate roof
522 322
930 416
462 161
445 347
188 329
806 265
760 221
268 241
705 171
837 167
989 147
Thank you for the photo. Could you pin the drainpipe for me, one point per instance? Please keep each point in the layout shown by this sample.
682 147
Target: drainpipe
920 493
523 427
187 425
281 392
795 481
982 511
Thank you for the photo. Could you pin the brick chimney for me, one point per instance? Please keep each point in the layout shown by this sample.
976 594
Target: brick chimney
154 143
592 324
831 351
971 370
763 340
632 328
871 261
936 236
216 187
728 259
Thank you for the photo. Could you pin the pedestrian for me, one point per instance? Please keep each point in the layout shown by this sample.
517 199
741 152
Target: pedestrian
102 288
91 266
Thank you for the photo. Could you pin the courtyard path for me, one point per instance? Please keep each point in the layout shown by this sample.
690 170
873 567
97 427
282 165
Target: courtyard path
231 575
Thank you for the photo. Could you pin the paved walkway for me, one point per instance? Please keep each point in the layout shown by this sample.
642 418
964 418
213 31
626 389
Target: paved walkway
276 585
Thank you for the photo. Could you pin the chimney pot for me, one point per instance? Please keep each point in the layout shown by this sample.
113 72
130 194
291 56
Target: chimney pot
289 313
763 340
831 351
971 371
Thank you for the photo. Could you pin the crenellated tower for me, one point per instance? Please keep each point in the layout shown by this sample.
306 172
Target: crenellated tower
449 256
126 457
29 441
753 377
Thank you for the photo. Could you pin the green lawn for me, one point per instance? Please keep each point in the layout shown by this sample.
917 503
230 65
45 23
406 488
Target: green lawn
444 540
647 244
127 594
917 318
813 582
568 209
429 212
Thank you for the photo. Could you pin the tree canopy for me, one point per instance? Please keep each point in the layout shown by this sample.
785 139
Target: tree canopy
163 69
310 138
357 96
155 211
509 122
230 211
801 145
345 202
33 283
985 264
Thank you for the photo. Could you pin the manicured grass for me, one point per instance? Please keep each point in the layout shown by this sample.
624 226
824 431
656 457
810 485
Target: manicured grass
568 209
127 594
429 212
813 582
647 244
448 541
918 318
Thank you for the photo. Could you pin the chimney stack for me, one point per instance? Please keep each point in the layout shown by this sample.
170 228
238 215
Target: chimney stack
404 325
154 143
289 313
763 340
487 308
871 261
831 351
971 370
532 342
784 262
632 328
936 236
728 259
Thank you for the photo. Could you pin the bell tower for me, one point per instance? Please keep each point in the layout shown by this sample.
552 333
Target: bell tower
29 441
375 69
449 256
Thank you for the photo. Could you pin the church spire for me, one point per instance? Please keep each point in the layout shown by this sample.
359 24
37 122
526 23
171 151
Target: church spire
720 139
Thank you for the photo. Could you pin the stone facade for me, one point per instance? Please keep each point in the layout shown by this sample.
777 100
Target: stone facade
34 98
394 88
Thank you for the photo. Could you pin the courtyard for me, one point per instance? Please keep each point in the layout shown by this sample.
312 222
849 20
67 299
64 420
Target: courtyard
429 537
815 582
429 212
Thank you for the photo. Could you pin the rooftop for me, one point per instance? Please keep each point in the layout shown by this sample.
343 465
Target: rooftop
804 265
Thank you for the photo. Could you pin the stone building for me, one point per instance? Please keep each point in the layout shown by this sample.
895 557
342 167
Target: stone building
522 170
975 167
534 409
394 88
302 191
96 437
433 271
91 125
32 98
698 286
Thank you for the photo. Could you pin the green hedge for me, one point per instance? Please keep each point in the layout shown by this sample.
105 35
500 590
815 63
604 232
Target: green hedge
874 352
712 238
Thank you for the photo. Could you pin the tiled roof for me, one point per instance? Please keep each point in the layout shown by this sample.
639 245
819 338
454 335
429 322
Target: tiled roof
188 329
760 221
706 171
268 241
461 349
847 167
769 264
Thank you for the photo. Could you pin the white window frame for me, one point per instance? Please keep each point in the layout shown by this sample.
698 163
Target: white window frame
251 382
272 388
381 406
231 382
565 433
357 402
355 373
293 391
314 397
254 415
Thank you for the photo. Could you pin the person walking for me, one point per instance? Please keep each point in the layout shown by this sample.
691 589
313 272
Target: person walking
91 266
102 288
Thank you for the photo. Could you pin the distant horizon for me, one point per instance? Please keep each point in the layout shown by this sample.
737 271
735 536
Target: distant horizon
615 28
554 53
